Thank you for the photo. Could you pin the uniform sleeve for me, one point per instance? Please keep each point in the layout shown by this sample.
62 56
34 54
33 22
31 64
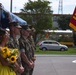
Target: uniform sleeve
21 46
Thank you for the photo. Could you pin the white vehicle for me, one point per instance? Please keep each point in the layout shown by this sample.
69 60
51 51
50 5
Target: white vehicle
52 45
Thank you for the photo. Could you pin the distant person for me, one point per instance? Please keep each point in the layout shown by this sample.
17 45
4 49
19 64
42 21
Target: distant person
32 44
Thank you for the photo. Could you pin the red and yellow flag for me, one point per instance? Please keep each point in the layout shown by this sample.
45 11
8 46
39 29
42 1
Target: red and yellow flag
72 23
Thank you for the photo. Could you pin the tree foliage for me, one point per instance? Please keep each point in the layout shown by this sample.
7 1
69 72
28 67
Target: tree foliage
39 14
63 22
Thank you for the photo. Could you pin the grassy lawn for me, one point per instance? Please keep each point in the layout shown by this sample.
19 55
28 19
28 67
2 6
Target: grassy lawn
70 51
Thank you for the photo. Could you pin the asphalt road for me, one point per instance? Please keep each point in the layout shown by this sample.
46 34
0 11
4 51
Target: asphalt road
55 65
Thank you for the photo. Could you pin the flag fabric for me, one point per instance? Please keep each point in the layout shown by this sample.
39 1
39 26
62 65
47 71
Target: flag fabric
72 23
6 17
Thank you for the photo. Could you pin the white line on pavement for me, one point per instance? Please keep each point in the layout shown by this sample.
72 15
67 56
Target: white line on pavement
74 61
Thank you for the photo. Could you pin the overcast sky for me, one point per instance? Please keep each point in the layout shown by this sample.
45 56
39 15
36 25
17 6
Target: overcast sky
68 5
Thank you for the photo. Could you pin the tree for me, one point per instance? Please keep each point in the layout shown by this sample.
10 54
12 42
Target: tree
39 14
63 22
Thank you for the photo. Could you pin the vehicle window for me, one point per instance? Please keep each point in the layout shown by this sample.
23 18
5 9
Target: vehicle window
46 42
54 43
50 42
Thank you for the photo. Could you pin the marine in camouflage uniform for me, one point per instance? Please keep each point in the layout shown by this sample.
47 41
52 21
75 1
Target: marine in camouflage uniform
25 48
14 43
33 48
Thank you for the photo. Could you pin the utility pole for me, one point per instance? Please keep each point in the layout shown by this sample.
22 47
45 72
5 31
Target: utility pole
60 8
10 5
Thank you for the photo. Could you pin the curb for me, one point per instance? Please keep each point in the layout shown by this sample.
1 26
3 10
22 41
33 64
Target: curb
39 55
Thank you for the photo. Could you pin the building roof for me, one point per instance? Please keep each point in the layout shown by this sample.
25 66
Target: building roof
59 31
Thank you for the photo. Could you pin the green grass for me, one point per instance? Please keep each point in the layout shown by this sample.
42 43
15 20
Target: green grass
70 51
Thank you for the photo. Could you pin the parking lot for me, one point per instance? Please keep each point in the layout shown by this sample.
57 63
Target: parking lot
55 65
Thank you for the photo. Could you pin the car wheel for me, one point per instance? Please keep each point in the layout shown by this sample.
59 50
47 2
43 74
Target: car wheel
44 49
62 49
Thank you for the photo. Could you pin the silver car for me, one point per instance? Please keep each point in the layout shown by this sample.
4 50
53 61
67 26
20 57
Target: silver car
52 45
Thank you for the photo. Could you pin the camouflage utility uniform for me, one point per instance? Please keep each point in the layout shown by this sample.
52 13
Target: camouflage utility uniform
31 42
25 47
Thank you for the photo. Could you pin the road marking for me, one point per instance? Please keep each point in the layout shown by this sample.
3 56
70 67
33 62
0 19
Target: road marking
74 61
